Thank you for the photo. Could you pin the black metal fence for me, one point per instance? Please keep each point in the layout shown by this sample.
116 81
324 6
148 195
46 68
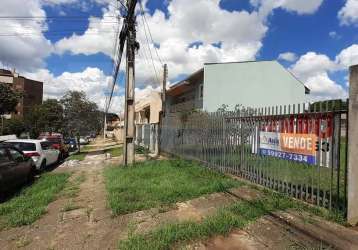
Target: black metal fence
299 150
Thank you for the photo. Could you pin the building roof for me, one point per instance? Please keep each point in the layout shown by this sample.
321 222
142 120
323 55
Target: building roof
184 85
5 72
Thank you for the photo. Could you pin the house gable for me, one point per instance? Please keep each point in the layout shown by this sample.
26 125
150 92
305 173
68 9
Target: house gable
251 84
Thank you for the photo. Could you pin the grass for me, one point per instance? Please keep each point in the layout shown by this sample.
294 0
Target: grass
115 152
156 184
31 202
284 170
77 156
72 188
237 215
69 206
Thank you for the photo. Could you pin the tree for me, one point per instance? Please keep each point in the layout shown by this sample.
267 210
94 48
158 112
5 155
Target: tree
47 117
14 126
81 116
8 98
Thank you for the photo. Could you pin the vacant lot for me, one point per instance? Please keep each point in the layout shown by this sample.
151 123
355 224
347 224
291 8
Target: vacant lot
160 183
31 202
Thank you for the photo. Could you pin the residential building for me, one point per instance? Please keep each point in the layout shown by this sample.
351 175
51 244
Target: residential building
32 91
148 108
250 84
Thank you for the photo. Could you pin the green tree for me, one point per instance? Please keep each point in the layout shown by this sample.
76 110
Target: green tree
8 98
14 126
47 117
81 116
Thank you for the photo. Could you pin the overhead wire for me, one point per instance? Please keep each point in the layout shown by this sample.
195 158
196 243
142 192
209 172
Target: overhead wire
150 33
148 44
114 62
121 43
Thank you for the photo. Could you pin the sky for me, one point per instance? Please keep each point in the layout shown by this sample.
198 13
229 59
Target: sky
70 44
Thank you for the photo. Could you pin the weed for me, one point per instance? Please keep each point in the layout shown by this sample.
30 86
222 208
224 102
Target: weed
69 206
237 215
31 202
160 183
23 241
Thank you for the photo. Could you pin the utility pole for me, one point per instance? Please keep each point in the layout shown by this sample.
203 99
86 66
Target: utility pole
162 113
132 45
164 87
105 126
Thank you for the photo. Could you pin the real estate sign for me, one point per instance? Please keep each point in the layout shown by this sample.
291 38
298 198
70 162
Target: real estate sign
289 146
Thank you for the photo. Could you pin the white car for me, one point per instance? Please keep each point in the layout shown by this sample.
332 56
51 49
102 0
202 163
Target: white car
40 151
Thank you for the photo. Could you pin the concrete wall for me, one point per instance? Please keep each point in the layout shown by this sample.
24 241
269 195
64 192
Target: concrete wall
352 213
154 102
118 134
252 84
194 91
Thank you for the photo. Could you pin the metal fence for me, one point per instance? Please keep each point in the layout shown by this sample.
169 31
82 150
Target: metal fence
299 150
147 136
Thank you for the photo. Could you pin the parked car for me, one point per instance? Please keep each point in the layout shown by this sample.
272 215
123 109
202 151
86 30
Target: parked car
83 141
71 144
41 152
57 141
15 168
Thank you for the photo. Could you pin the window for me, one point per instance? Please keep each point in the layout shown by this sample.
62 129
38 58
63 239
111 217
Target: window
3 156
24 146
201 91
45 145
16 155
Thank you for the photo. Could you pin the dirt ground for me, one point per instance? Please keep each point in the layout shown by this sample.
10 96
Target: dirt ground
90 224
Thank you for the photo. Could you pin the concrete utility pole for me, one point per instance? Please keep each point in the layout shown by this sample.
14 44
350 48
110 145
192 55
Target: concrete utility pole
105 126
164 86
129 128
352 213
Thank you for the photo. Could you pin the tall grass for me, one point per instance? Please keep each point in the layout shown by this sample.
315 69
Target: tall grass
160 183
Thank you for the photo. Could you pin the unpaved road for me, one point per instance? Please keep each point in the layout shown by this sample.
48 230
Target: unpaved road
88 226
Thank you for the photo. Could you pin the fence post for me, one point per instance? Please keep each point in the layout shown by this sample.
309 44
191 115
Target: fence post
352 212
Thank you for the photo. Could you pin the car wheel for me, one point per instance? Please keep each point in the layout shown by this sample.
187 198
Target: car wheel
59 158
43 165
31 176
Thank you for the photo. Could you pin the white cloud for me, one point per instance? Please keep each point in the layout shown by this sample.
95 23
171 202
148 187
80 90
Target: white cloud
334 35
313 69
25 52
92 81
288 56
349 13
322 87
99 37
348 56
312 64
298 6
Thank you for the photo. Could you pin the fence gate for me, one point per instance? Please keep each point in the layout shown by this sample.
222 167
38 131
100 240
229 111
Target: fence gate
299 150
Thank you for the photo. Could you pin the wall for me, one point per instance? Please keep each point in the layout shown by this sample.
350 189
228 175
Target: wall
118 134
33 94
252 84
193 91
154 101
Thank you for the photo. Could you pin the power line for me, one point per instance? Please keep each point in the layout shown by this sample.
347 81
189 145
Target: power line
52 17
150 33
56 33
150 51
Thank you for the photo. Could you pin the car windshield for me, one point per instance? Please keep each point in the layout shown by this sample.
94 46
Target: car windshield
24 146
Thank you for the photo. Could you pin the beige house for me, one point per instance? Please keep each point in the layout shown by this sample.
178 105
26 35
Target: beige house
148 108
